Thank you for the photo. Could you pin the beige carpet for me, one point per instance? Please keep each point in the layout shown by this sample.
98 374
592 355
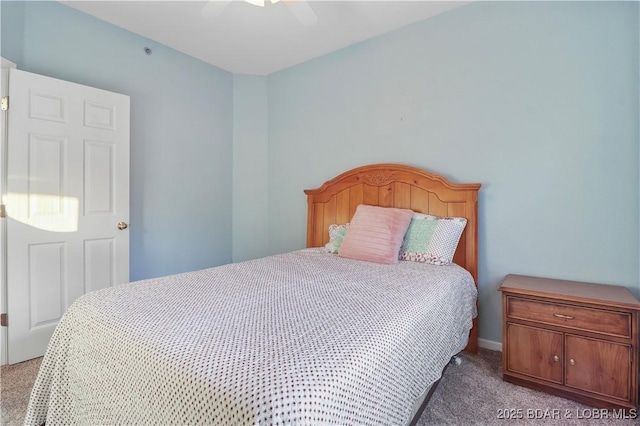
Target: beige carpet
472 393
16 382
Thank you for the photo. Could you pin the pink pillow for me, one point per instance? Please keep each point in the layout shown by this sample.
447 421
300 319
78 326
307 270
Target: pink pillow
375 234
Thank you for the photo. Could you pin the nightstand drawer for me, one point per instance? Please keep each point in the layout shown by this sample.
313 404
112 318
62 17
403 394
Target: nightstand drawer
579 318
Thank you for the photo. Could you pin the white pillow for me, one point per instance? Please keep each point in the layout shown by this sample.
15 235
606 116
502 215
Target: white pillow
336 236
432 239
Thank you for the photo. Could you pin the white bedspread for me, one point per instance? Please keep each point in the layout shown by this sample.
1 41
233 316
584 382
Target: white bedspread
304 338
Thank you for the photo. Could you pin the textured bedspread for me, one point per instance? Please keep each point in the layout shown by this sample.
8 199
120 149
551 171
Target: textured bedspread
301 338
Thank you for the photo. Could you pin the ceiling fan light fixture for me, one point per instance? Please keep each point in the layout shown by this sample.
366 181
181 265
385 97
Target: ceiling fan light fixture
300 8
260 2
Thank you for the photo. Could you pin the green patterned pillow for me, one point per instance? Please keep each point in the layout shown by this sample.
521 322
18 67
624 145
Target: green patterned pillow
336 236
432 239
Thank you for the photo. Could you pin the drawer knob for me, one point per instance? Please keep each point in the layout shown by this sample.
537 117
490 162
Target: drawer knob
569 317
572 361
556 358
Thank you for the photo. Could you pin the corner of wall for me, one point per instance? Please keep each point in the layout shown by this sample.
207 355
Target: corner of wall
250 221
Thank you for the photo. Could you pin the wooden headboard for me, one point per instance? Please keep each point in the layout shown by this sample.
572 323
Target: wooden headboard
395 185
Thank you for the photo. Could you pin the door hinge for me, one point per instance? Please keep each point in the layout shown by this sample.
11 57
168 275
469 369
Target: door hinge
3 211
4 104
4 321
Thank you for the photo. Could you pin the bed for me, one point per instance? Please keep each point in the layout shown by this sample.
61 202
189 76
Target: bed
305 337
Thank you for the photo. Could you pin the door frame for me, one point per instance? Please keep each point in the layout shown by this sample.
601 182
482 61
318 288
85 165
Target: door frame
6 65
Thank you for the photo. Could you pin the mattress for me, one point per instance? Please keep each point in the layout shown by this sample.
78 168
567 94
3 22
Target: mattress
300 338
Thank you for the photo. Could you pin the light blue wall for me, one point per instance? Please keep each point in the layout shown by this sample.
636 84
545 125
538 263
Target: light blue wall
181 128
12 30
536 101
250 150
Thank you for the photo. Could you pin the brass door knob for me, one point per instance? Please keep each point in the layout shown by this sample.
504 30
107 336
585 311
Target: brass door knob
572 361
556 358
122 225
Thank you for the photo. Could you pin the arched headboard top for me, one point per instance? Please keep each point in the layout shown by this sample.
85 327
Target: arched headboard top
384 174
400 186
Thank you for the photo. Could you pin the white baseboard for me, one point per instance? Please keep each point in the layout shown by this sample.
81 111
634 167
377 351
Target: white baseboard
490 344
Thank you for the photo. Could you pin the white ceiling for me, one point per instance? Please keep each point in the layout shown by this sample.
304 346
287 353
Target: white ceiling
248 39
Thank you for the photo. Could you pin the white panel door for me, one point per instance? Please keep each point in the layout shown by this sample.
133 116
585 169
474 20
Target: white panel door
67 192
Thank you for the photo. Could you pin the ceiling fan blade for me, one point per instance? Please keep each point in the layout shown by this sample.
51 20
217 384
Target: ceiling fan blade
214 8
303 11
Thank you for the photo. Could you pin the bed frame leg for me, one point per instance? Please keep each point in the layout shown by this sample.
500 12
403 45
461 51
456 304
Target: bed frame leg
455 360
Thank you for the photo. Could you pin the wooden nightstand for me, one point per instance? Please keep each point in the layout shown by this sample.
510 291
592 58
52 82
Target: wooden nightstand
571 339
